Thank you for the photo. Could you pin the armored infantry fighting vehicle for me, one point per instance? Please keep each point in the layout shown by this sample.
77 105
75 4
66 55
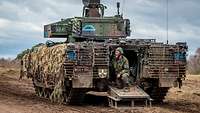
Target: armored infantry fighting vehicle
83 62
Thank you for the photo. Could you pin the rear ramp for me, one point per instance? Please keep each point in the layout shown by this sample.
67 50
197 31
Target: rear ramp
117 96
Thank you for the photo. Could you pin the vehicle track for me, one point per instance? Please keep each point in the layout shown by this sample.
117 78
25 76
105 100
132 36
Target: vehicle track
19 97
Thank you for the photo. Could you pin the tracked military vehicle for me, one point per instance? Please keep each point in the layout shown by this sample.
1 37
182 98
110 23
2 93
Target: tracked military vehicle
83 62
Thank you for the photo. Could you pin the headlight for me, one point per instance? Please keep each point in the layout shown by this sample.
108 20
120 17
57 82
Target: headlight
103 73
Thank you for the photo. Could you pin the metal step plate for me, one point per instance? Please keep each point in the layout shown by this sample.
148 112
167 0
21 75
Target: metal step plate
134 93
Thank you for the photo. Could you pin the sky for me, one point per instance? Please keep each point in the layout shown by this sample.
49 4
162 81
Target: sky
22 21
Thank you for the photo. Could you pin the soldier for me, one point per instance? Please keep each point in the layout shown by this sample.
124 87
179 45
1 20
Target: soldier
121 66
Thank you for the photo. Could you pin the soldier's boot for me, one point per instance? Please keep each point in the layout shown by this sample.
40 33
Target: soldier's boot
119 84
126 88
126 83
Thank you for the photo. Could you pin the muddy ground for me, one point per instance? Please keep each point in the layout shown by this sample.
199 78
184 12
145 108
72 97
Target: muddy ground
19 97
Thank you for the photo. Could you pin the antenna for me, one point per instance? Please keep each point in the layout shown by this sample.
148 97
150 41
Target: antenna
118 7
167 21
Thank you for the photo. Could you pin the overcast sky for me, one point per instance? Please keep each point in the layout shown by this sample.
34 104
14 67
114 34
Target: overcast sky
21 21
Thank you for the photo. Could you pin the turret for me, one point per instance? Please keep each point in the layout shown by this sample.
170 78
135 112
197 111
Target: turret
93 25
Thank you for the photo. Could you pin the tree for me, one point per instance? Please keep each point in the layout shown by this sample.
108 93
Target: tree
194 63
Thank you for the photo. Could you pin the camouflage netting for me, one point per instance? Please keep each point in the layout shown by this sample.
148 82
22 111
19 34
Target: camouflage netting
44 65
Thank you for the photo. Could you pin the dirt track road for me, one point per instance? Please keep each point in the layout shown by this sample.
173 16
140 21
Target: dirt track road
19 97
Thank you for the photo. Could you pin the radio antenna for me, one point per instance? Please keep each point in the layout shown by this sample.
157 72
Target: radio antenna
118 7
167 21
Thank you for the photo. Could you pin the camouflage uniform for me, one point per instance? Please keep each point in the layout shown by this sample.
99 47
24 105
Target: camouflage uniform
121 67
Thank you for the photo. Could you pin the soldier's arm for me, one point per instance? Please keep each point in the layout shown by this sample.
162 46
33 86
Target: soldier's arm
126 67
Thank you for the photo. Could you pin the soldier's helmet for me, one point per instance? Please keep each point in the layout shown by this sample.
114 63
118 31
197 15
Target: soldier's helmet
120 50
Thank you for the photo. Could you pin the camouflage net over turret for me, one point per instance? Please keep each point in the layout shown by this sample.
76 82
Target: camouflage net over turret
44 65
